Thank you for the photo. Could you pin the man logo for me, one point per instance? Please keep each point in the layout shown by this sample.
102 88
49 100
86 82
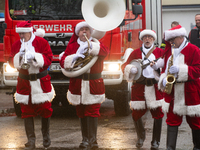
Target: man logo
60 35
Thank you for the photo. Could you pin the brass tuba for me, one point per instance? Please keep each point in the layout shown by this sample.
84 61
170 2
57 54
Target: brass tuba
170 77
102 16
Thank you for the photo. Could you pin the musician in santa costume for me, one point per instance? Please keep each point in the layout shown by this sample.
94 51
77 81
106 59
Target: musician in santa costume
86 91
34 91
184 99
145 94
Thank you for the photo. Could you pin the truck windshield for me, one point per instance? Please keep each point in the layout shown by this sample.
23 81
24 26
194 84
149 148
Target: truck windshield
45 9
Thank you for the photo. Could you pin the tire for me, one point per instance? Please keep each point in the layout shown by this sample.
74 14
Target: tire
17 108
121 95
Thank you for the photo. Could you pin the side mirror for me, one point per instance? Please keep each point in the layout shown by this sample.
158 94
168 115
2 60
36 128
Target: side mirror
137 9
136 1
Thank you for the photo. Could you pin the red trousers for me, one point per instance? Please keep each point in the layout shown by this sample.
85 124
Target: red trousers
156 113
32 110
176 120
88 110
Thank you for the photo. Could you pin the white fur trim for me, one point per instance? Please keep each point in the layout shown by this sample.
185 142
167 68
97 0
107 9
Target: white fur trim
95 47
87 98
127 73
68 61
156 75
22 29
137 105
40 32
179 99
169 34
16 62
39 60
165 107
160 63
81 25
160 82
183 69
148 32
150 96
193 111
19 98
36 98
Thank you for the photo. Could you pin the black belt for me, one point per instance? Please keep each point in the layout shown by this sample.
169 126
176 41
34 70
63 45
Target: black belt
147 82
88 76
33 77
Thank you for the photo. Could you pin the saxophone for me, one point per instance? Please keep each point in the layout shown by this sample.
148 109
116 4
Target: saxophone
170 77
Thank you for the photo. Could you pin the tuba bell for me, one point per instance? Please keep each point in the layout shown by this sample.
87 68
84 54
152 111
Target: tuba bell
102 16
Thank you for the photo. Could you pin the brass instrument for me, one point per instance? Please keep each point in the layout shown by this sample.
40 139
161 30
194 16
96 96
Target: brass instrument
170 77
81 62
25 65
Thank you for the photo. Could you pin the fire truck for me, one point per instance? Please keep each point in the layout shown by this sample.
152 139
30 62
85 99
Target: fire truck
58 18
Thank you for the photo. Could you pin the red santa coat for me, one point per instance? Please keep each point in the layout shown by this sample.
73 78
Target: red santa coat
143 96
186 93
40 90
85 91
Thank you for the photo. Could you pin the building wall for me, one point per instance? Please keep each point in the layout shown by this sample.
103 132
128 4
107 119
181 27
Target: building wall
183 11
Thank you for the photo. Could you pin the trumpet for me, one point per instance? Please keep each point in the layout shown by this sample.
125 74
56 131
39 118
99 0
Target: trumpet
170 77
25 65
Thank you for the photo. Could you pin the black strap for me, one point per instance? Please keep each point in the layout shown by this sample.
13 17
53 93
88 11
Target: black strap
88 76
33 77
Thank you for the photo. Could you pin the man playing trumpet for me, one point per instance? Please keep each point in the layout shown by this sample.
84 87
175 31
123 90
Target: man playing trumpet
145 94
184 99
34 91
86 91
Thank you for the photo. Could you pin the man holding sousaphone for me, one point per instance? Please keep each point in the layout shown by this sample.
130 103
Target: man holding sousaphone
145 94
86 91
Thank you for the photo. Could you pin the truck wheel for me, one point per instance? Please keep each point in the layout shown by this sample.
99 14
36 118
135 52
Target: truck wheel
17 108
122 99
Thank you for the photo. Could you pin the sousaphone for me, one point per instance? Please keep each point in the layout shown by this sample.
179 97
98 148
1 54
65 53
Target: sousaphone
102 16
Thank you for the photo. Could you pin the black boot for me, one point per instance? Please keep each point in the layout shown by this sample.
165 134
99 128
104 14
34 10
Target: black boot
30 133
157 126
92 122
196 139
45 132
84 131
172 132
139 127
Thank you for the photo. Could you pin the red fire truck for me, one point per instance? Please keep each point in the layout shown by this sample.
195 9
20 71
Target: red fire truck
58 18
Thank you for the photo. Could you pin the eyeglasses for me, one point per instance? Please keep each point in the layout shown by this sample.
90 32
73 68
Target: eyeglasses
172 39
147 36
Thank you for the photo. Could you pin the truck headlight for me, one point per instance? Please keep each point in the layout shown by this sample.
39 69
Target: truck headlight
10 69
112 67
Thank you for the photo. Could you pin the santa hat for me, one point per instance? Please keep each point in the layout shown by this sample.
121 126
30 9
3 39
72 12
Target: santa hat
81 25
26 26
148 32
175 32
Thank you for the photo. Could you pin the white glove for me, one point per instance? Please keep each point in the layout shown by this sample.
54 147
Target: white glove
76 56
164 81
133 70
30 56
173 69
160 63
